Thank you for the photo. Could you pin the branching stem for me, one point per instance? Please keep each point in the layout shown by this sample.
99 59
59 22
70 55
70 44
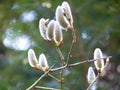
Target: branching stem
63 63
53 77
40 78
61 74
76 64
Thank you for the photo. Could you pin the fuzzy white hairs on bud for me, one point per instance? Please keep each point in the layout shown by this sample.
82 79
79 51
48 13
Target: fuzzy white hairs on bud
99 63
67 10
61 18
91 75
49 32
32 59
43 27
58 36
64 16
43 62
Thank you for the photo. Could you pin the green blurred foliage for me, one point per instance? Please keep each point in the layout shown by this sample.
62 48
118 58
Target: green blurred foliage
97 23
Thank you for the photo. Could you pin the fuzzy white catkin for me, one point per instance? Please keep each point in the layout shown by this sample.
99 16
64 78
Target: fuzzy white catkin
43 62
99 63
58 36
61 19
67 11
43 27
49 32
32 58
91 75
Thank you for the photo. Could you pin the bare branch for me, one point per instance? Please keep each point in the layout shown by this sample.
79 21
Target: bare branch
72 44
46 88
78 63
40 78
61 55
53 77
87 61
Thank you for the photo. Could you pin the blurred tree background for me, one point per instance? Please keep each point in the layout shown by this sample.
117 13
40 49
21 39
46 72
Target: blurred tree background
97 23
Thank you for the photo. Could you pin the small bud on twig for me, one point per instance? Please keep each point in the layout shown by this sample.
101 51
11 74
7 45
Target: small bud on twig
58 36
43 27
64 16
49 32
99 63
60 17
67 10
43 62
91 75
32 59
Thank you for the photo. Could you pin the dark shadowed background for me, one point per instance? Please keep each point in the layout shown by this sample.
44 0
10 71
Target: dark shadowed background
97 23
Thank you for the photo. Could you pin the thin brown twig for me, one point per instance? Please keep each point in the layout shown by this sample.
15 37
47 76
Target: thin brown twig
74 35
78 63
72 44
56 69
40 78
61 76
63 63
53 77
61 55
45 88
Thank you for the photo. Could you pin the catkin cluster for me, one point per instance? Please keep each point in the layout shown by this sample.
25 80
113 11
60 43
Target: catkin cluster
99 64
51 30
